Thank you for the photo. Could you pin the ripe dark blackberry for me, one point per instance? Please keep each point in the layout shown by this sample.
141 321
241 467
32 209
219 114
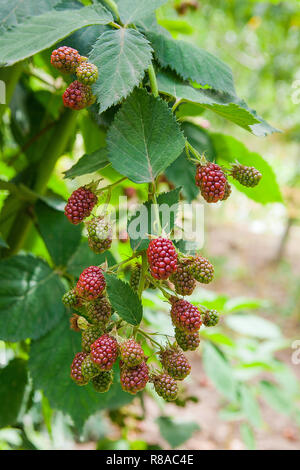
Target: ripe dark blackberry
175 363
89 336
89 368
78 96
211 180
103 381
80 205
87 73
162 258
104 352
134 379
210 317
202 270
182 279
246 175
165 386
91 283
99 311
65 59
99 234
227 192
70 299
131 353
76 373
187 341
185 316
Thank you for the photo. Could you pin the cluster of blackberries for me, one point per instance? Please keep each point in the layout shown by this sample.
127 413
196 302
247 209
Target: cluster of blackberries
79 94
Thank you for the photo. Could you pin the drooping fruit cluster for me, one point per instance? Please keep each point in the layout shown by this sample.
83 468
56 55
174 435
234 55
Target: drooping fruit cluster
80 205
211 180
78 96
99 234
246 175
162 258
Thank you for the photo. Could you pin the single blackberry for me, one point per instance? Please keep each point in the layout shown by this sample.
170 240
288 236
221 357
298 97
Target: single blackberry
78 96
103 381
99 311
182 279
246 175
185 316
99 234
210 317
71 300
162 258
131 353
65 59
80 205
87 73
175 363
104 352
135 276
134 379
211 180
89 336
165 386
91 283
201 270
187 341
89 369
76 373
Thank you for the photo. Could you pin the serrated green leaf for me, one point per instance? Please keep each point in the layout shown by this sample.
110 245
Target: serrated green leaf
30 298
13 379
253 325
124 300
176 432
143 222
144 138
122 55
88 164
132 10
15 12
84 257
49 365
60 236
41 32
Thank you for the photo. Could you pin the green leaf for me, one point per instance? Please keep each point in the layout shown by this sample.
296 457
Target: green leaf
124 300
250 406
13 379
122 56
192 63
142 222
30 298
247 436
41 32
15 12
253 325
49 365
60 236
228 150
144 138
84 257
3 243
219 371
275 397
176 432
132 10
88 164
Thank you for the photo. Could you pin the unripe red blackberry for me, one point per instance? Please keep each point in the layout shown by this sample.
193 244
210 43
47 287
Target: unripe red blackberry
78 96
87 73
80 205
202 270
103 381
104 352
187 341
99 311
65 59
89 368
162 258
211 180
210 317
246 175
76 373
185 316
227 192
99 234
175 363
165 386
131 353
91 283
70 299
182 279
134 379
89 336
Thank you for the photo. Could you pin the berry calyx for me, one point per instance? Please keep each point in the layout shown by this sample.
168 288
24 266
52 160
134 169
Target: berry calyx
87 73
210 317
131 353
211 180
134 379
187 341
104 352
65 59
162 258
102 382
202 270
89 368
182 279
165 386
76 373
99 311
91 283
175 363
99 234
78 96
185 316
246 175
80 205
89 336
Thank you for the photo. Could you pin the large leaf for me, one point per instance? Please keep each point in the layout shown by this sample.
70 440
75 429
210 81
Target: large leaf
124 300
176 432
60 236
40 32
84 257
228 150
30 298
122 56
49 365
144 138
133 10
192 63
15 12
88 164
13 379
253 325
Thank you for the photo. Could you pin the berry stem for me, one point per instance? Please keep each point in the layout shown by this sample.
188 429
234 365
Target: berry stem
113 185
143 333
143 274
153 81
157 284
113 7
176 104
117 266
